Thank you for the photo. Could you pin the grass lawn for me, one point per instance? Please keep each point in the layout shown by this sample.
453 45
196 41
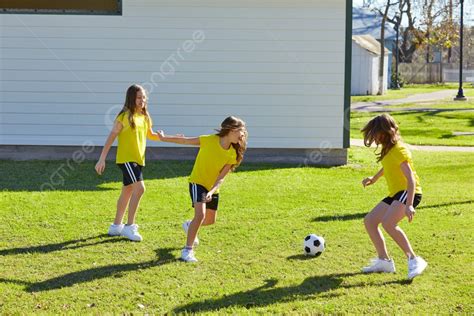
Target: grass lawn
469 91
427 127
55 257
408 90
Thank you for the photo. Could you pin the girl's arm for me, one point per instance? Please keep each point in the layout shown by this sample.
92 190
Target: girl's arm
408 173
179 139
152 135
100 166
372 180
219 181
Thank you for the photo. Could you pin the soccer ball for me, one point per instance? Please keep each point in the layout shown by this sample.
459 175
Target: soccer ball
313 245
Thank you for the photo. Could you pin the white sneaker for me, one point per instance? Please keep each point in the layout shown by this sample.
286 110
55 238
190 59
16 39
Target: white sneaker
131 232
186 227
380 265
187 255
115 230
416 266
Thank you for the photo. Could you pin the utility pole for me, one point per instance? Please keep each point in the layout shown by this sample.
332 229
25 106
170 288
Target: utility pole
460 96
450 51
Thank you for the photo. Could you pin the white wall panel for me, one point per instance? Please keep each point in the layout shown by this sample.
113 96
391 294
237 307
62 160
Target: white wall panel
277 63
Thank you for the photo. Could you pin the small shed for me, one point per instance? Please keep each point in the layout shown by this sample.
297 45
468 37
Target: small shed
366 21
366 55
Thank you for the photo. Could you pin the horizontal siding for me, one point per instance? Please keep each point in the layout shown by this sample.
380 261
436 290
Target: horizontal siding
183 88
271 44
256 142
71 108
147 67
91 130
169 23
162 34
102 77
277 64
169 121
96 77
40 54
90 99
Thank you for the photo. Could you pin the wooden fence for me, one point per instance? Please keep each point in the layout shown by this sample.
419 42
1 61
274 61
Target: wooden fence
433 73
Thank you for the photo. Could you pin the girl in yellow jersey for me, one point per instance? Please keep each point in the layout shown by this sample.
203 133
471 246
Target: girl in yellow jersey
404 195
132 126
218 155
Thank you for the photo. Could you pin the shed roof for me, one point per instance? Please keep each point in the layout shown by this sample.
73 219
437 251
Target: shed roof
369 43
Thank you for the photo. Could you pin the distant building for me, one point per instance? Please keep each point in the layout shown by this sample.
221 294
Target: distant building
367 22
366 64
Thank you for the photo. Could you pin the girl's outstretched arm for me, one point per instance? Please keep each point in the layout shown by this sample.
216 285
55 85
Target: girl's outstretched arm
152 135
372 180
179 139
100 166
408 173
220 179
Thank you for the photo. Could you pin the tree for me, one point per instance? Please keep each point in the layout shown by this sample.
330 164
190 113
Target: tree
384 14
428 23
437 24
368 3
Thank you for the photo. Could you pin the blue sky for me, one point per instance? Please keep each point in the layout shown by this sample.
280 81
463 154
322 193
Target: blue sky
468 8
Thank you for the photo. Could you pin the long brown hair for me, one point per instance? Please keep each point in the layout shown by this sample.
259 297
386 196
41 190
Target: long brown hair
130 104
385 130
233 123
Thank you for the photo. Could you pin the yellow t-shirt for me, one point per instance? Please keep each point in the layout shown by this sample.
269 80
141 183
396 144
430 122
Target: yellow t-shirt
392 171
210 161
132 141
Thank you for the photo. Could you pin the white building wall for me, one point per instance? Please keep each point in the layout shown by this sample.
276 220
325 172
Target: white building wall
362 71
375 75
365 71
277 64
356 69
385 73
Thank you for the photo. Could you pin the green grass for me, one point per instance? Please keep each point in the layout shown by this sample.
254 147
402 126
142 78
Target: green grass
434 127
468 90
408 90
55 257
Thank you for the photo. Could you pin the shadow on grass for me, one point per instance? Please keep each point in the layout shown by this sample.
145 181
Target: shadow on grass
445 204
67 245
448 136
429 111
346 217
350 217
164 256
300 257
267 294
57 175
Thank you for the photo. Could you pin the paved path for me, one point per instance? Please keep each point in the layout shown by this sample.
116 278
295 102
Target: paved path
381 105
360 143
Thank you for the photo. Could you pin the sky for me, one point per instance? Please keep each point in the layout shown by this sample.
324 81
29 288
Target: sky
468 9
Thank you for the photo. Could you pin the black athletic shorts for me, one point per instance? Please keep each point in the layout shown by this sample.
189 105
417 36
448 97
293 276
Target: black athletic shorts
402 197
132 172
198 194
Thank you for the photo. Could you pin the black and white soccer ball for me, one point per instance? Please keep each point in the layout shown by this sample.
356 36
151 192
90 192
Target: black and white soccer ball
313 245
